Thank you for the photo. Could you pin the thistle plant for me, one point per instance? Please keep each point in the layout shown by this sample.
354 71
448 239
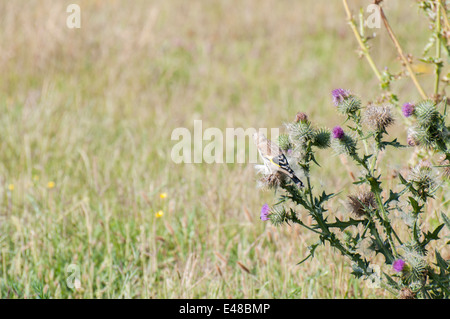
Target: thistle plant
371 204
413 265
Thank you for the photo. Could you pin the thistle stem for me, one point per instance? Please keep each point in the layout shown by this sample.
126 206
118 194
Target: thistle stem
357 259
444 14
384 218
401 54
357 120
361 43
317 217
438 48
310 192
387 223
298 221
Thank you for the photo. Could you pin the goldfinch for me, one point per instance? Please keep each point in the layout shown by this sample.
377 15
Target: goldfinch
274 158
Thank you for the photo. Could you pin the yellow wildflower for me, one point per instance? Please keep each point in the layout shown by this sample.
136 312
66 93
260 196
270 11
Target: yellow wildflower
159 214
50 185
11 187
163 195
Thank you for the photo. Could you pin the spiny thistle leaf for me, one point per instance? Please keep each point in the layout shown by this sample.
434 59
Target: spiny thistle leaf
403 180
446 220
393 143
440 262
415 205
342 225
311 249
391 282
357 271
323 198
432 236
375 184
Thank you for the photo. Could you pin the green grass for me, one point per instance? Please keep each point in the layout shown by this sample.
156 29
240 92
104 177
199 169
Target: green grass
92 110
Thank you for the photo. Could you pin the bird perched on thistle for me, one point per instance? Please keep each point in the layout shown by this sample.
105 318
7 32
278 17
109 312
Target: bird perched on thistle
273 157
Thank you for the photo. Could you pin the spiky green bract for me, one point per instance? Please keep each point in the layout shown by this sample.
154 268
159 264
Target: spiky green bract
300 132
425 136
349 105
278 215
284 142
426 113
416 266
424 179
430 130
345 145
321 138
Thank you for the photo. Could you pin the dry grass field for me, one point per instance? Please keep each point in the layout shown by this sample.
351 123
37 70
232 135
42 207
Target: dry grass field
86 122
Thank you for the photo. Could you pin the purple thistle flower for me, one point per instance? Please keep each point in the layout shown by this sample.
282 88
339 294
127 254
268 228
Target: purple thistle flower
398 265
265 209
337 132
339 95
408 109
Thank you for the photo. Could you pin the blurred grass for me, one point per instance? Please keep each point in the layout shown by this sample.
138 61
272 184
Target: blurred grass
92 110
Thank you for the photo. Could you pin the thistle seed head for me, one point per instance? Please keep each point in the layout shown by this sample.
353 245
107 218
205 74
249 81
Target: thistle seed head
362 203
378 117
272 181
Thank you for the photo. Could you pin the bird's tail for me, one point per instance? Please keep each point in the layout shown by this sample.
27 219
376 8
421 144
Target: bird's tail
297 181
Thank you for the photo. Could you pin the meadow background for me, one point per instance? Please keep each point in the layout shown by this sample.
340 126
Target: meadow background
86 117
